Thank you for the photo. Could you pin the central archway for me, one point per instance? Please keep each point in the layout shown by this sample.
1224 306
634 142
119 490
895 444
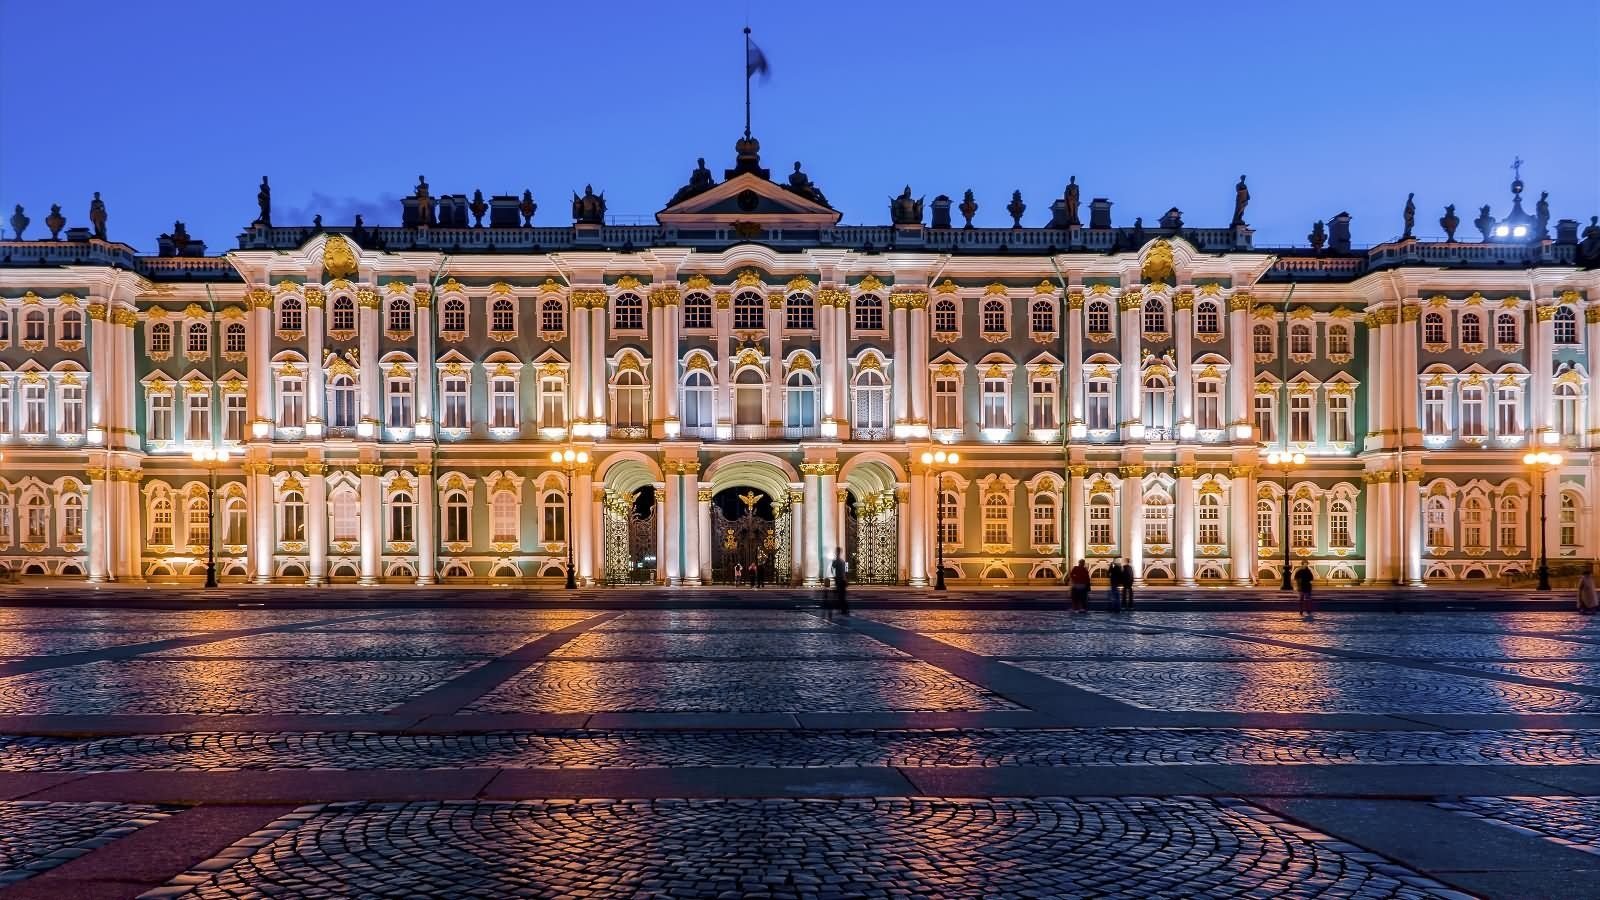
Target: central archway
872 520
748 517
744 533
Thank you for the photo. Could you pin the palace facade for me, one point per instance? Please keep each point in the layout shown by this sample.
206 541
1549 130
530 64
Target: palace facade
747 380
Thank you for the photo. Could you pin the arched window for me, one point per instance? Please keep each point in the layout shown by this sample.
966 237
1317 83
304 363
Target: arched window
1566 326
872 406
1155 317
343 402
36 519
1043 518
1266 523
800 312
233 338
697 393
1338 340
400 314
1471 328
1100 521
554 523
1510 523
1474 518
1567 423
235 523
869 313
950 518
1506 330
503 518
72 325
1207 318
749 393
944 316
994 317
1157 520
160 336
552 316
503 316
1157 402
346 515
344 314
800 403
291 315
1209 517
1261 340
1098 316
628 400
33 326
749 311
160 520
628 312
997 520
1571 515
72 519
1436 521
1433 328
453 316
293 521
199 522
1303 524
1300 340
402 510
5 519
697 310
1340 517
199 338
1044 317
457 518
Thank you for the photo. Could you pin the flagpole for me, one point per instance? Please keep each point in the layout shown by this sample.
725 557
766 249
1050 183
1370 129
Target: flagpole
747 81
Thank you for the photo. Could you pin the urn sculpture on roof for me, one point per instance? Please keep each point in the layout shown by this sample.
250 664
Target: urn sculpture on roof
905 211
968 207
55 221
527 208
1450 222
19 222
1016 208
478 208
1483 222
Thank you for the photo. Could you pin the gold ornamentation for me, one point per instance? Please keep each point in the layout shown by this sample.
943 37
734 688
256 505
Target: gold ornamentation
1130 299
665 296
260 298
1187 470
97 312
748 357
697 362
869 284
1131 471
338 259
316 468
802 363
288 287
627 283
870 363
703 495
1184 300
373 469
1158 262
800 283
697 283
1546 313
775 299
748 278
994 288
819 468
947 287
722 299
367 298
1239 301
1210 289
1592 315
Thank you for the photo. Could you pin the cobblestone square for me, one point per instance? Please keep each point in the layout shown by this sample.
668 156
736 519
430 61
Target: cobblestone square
36 836
1131 644
353 645
663 645
1569 821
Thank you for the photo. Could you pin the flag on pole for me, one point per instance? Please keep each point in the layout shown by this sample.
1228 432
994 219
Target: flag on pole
755 62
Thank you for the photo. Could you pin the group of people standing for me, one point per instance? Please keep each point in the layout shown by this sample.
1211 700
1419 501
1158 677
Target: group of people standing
1119 586
751 575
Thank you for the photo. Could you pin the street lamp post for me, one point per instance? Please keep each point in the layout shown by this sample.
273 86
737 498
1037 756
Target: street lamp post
569 460
1288 462
942 462
211 457
1542 463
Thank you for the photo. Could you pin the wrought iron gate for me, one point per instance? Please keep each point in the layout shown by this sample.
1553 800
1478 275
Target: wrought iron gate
744 539
630 535
873 539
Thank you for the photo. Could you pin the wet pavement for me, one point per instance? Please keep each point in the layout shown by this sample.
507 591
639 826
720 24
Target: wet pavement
769 752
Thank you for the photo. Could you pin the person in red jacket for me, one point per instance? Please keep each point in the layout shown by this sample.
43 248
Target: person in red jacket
1079 581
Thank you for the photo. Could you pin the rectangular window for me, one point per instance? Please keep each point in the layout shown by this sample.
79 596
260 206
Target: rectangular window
1208 405
1340 425
1042 405
1300 419
1099 407
552 403
1210 519
1433 415
5 406
72 416
1157 523
1044 522
504 405
346 517
994 404
1507 413
949 518
291 403
235 417
1472 525
1472 411
33 409
400 408
1100 523
1302 525
455 403
160 416
198 426
1266 418
997 522
946 402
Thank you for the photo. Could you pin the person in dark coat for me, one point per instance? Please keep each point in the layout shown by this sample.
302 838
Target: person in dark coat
1302 586
1114 585
840 569
1079 584
1126 594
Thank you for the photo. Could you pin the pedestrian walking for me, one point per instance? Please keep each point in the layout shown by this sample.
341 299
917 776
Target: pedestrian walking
1587 602
840 569
1114 584
1126 594
1078 580
1302 586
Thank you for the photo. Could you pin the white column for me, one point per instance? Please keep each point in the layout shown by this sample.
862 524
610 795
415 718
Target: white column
1077 509
1406 396
1183 340
673 513
582 526
1183 525
259 371
835 517
426 377
1241 513
597 367
811 533
722 320
1412 564
917 374
666 388
316 376
316 520
901 366
1132 502
798 539
1130 333
130 499
97 537
841 382
1073 374
263 540
1241 375
1380 356
1373 517
658 361
1552 522
371 377
371 519
427 516
578 371
902 498
916 517
775 388
100 374
1541 362
703 535
661 531
690 523
827 375
597 532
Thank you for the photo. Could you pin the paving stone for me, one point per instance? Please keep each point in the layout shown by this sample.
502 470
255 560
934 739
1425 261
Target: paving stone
38 836
657 645
1572 822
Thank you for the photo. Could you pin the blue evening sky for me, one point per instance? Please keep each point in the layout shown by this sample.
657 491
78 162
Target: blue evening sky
175 109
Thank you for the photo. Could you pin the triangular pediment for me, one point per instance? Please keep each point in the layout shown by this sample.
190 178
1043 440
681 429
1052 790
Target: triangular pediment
748 198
